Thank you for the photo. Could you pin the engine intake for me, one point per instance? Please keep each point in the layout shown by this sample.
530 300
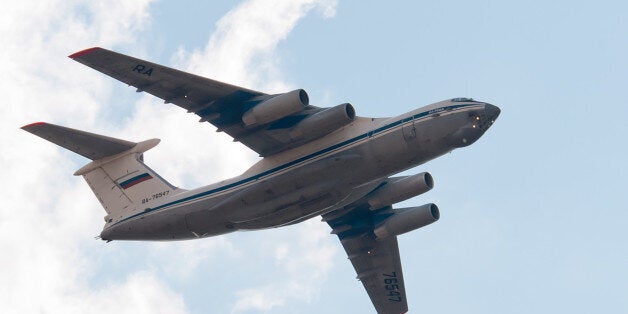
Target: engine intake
401 189
406 219
276 108
323 123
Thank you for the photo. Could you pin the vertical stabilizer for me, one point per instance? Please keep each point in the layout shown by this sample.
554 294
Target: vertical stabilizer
125 184
117 175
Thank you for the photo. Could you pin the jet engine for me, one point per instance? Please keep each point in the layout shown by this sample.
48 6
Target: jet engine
323 123
400 189
406 219
276 108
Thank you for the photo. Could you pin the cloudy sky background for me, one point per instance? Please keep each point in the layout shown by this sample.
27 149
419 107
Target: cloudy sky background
534 214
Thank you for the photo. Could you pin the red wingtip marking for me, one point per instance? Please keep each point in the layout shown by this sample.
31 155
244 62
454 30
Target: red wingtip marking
82 52
32 124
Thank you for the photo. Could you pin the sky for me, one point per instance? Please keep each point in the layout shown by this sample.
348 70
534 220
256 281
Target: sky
533 215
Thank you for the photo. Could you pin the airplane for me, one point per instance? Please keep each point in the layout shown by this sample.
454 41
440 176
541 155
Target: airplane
316 161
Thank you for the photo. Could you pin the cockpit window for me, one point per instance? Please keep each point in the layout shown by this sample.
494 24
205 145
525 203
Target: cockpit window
461 99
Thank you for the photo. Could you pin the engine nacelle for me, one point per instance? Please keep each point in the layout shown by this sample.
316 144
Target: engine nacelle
276 108
407 219
400 190
323 123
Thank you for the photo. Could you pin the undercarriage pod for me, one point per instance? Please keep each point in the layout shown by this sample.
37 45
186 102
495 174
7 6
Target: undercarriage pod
400 189
404 220
276 108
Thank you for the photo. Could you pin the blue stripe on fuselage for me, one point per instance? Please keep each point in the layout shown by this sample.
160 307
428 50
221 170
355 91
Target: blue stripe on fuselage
298 160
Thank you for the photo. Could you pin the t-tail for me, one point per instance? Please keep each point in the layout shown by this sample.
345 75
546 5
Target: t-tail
117 175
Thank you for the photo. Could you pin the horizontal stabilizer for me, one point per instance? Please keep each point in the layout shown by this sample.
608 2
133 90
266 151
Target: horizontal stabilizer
90 145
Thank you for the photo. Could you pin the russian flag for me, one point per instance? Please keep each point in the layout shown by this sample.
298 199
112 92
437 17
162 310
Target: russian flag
135 180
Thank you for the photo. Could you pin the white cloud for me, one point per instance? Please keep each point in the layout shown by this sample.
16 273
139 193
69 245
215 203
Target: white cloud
141 293
302 263
180 260
242 52
48 217
242 49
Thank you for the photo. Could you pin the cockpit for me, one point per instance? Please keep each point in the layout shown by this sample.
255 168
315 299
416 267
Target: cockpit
462 99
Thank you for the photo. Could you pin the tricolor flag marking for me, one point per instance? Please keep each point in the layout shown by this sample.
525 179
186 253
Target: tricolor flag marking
135 180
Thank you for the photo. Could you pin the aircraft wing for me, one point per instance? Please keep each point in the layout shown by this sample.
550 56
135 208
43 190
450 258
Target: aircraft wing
376 261
219 103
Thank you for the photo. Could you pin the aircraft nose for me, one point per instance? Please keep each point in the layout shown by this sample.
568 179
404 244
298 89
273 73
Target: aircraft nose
492 112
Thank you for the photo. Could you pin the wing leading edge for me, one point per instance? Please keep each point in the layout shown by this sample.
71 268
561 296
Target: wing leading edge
219 103
376 261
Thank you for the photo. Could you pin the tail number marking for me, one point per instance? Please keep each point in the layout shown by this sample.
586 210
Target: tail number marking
154 196
391 283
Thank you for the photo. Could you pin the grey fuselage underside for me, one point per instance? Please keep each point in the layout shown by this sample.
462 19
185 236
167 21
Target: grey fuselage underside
338 170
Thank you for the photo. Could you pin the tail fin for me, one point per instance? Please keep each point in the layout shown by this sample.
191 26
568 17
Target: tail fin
123 184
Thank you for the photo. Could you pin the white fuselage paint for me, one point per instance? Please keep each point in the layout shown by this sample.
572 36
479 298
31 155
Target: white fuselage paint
307 181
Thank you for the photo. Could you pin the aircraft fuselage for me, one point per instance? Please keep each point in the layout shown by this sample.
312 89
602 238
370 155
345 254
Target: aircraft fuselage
304 182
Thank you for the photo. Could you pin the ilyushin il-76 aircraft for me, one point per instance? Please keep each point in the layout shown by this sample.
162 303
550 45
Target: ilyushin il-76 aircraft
316 161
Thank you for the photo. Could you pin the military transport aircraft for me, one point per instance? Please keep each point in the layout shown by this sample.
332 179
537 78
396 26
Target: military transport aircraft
316 162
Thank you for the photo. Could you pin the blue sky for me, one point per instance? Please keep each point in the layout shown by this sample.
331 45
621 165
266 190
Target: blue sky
533 215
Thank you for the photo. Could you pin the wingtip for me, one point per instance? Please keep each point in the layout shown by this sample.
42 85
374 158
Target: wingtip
83 52
30 125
